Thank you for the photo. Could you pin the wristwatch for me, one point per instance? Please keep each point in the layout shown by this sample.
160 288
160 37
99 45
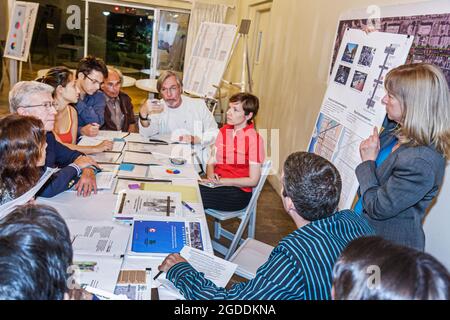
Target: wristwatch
143 118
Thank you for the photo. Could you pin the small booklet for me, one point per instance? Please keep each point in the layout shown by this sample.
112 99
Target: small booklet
140 158
166 235
106 157
105 238
99 272
118 144
129 170
105 180
144 203
211 185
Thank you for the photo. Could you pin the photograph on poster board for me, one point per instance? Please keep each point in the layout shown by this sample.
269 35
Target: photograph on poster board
342 75
350 52
366 57
359 80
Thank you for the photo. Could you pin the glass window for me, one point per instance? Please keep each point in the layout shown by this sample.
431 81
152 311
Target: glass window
172 36
121 36
58 37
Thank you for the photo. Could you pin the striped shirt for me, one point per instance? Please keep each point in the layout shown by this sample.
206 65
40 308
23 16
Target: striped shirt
299 268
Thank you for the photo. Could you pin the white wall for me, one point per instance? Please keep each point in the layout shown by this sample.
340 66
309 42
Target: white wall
437 225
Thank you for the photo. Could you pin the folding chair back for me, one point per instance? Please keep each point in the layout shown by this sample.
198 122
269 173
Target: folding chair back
246 215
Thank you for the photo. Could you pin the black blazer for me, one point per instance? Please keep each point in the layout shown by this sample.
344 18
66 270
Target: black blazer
58 156
396 195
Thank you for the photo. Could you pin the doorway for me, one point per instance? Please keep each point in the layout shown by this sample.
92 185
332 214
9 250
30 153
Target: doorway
260 14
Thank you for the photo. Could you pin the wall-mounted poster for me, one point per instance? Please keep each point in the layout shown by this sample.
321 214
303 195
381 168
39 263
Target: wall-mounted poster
20 31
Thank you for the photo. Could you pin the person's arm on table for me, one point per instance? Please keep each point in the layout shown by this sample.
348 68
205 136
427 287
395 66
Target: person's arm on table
274 280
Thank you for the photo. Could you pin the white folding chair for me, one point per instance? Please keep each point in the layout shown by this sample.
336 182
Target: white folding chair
250 256
247 216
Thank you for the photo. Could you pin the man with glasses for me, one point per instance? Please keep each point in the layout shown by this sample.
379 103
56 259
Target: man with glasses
91 72
185 119
31 98
119 115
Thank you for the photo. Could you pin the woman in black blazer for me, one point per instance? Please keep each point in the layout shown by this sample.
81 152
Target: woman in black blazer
404 166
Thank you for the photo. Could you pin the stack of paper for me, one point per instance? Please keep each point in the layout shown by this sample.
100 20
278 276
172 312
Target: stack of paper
98 248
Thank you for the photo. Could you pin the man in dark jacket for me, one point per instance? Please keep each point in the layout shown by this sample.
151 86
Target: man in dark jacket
30 98
119 115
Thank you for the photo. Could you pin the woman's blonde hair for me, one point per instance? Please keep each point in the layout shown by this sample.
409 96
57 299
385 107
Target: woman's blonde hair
423 92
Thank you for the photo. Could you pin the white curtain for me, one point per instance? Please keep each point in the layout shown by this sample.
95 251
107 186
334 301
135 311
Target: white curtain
202 12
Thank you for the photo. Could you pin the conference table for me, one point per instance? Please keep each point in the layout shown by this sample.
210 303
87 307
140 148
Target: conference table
101 206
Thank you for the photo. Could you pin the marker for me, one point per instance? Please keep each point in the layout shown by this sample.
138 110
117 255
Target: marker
188 206
156 277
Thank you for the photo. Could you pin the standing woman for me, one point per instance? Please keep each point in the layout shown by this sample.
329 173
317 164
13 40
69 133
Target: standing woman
403 167
66 120
22 153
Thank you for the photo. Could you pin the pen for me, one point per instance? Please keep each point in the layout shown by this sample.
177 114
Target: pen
188 206
156 277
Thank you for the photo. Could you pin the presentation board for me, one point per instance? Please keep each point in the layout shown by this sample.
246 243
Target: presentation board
428 22
352 103
20 32
209 58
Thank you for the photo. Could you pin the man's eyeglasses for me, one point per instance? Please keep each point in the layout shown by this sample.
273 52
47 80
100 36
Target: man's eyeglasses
47 105
93 80
172 89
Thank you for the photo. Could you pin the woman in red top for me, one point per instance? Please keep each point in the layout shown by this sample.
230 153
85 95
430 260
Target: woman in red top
235 167
66 120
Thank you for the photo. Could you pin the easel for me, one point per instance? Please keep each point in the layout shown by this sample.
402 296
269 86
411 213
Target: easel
246 84
246 72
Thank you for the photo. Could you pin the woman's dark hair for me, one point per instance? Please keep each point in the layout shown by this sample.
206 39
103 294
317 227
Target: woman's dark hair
57 76
250 103
313 183
21 139
91 63
35 253
372 268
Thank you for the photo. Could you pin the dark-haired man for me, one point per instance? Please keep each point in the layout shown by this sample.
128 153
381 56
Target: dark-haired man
91 72
300 267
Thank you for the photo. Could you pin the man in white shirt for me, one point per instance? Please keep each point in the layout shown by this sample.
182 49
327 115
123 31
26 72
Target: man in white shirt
185 119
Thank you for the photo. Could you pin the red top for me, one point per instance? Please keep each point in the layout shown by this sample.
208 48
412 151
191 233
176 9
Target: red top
67 137
234 154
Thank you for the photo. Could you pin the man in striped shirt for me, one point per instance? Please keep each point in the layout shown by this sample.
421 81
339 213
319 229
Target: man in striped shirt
300 267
